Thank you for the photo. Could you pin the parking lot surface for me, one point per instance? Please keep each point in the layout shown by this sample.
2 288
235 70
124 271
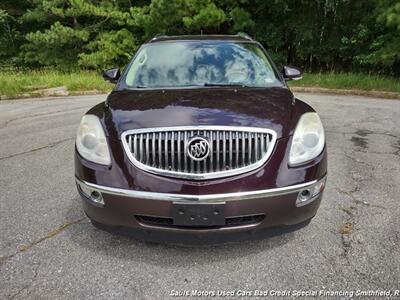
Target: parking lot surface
48 249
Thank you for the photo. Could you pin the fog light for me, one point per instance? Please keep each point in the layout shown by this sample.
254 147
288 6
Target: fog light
90 193
96 197
304 195
310 193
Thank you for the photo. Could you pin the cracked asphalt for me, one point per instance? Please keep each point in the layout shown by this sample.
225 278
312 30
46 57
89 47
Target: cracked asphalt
48 249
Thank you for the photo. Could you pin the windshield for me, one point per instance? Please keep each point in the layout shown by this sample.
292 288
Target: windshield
199 63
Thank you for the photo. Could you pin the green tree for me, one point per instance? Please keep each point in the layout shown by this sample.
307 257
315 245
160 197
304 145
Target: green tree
11 30
7 35
386 50
178 17
318 35
82 33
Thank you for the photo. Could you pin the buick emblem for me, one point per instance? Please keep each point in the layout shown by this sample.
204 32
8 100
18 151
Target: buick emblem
198 148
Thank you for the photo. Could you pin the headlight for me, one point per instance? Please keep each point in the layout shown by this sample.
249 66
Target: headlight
308 139
91 141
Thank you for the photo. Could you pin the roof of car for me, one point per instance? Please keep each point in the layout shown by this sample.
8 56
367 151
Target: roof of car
240 37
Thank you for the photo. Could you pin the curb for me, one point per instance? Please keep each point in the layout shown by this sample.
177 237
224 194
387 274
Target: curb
56 94
296 89
317 90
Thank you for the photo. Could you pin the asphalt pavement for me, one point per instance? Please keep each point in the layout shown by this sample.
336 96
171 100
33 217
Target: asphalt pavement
48 249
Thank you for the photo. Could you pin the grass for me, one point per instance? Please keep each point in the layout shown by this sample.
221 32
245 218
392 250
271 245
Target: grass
14 83
349 81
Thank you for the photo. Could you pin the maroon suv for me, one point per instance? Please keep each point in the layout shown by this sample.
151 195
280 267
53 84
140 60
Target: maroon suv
200 139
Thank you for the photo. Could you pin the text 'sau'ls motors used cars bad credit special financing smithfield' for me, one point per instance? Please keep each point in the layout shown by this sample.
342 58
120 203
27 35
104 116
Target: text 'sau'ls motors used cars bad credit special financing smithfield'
200 140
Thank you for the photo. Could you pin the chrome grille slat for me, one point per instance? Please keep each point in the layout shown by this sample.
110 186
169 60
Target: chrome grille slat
237 150
172 151
232 150
147 149
256 145
217 153
141 147
166 150
249 148
159 150
191 161
134 144
185 152
243 148
153 148
205 133
179 151
223 150
211 157
130 142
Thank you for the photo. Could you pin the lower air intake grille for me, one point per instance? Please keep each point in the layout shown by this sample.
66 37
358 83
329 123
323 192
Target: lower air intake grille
233 221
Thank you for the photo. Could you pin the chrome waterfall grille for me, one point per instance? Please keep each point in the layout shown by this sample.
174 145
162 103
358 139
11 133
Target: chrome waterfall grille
199 152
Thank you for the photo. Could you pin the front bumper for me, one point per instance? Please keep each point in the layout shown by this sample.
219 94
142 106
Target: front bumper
149 213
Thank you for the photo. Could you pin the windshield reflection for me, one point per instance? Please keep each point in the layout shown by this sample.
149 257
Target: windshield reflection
199 63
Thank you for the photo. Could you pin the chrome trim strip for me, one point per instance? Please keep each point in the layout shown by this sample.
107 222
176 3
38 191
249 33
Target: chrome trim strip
307 202
202 176
200 198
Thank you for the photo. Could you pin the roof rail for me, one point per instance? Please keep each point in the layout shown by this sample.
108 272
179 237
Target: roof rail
157 36
244 35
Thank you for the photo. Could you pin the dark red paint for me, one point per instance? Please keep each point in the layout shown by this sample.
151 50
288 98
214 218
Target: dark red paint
275 108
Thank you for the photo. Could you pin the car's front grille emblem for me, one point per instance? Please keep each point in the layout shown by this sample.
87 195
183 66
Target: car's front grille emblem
198 148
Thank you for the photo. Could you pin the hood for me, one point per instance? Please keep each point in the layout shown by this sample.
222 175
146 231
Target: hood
255 107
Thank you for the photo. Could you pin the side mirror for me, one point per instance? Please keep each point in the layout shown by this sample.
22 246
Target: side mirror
112 75
291 73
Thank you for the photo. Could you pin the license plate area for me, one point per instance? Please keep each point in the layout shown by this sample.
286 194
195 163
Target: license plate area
198 214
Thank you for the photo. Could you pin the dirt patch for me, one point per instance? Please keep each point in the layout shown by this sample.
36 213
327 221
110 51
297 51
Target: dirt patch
347 228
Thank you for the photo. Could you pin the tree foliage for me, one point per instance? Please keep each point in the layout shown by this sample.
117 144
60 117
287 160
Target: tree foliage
318 35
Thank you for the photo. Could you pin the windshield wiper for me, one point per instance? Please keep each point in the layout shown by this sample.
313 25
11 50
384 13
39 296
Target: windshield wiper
226 84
